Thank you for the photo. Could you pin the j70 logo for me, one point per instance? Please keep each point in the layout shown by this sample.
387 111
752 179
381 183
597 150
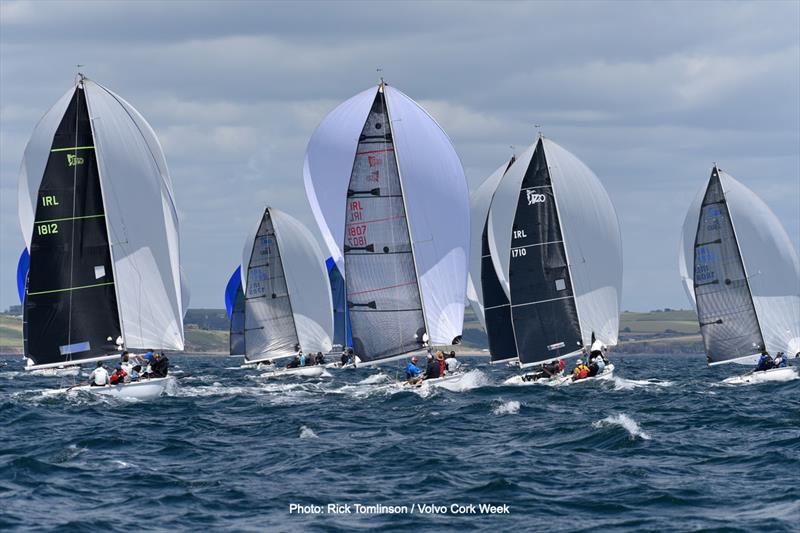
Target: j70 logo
534 198
73 160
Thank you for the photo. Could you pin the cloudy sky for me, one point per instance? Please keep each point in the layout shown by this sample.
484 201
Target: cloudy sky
649 95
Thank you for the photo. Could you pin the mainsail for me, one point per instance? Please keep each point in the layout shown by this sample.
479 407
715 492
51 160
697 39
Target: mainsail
554 243
98 216
745 279
401 240
287 298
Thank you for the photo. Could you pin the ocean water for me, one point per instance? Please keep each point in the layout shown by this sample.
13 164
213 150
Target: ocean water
662 447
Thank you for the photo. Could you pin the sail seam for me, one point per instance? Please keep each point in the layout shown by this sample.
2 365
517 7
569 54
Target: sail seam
71 288
542 301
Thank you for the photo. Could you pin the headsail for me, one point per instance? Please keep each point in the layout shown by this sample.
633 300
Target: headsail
140 222
341 326
286 293
420 164
746 278
554 242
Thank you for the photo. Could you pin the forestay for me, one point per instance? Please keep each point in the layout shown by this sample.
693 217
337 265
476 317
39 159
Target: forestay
132 205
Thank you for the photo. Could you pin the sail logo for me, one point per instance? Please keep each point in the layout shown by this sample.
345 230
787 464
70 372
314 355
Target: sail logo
73 160
374 161
535 198
374 176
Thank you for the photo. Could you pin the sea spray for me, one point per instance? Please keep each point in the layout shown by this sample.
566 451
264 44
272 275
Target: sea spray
507 408
624 421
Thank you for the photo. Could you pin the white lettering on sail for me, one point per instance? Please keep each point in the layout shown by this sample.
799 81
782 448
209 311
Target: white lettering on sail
535 198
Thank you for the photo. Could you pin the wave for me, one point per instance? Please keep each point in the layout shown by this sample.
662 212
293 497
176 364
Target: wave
630 384
307 433
507 408
624 421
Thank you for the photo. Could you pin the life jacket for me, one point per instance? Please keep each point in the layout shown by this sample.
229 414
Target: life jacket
442 367
581 371
117 377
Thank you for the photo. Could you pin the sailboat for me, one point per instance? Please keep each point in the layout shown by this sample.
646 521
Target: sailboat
389 194
97 213
287 297
548 281
234 305
740 270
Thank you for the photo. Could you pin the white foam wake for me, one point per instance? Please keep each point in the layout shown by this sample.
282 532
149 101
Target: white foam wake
375 379
624 421
630 384
307 433
507 408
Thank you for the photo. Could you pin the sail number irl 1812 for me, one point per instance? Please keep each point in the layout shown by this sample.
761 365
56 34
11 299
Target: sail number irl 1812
48 228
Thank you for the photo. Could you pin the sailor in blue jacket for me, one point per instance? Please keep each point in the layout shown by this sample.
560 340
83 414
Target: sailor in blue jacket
412 370
779 361
765 362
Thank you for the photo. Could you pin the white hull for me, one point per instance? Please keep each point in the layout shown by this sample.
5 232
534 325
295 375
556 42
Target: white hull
775 374
608 373
304 371
433 381
518 380
340 366
147 389
56 372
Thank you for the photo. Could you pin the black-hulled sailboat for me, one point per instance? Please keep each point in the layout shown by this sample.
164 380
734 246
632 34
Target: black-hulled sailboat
98 216
550 271
745 278
390 197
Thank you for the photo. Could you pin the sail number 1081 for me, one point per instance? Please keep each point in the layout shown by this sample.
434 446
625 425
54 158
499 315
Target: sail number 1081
49 228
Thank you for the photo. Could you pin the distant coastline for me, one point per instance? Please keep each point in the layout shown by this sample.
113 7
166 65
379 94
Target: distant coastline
206 330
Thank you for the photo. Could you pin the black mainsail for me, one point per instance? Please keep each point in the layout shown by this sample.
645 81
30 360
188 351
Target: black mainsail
70 309
543 309
383 296
725 309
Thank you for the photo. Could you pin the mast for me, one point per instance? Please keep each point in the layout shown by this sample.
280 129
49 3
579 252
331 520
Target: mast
381 88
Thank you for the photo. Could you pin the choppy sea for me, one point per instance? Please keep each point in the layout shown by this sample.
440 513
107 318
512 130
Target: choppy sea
662 447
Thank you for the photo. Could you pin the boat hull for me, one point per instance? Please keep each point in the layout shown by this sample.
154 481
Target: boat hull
775 374
433 381
146 389
520 380
304 371
608 373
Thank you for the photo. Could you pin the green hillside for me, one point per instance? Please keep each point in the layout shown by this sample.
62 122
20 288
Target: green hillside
660 331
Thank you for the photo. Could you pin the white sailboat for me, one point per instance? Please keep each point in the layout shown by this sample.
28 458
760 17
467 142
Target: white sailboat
741 272
97 212
548 282
389 194
287 297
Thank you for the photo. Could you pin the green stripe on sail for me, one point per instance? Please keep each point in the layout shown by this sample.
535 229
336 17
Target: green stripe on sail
68 218
71 288
72 148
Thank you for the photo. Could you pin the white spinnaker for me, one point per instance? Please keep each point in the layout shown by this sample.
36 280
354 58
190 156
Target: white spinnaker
686 251
307 281
140 214
435 192
479 204
592 239
142 224
771 263
590 231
